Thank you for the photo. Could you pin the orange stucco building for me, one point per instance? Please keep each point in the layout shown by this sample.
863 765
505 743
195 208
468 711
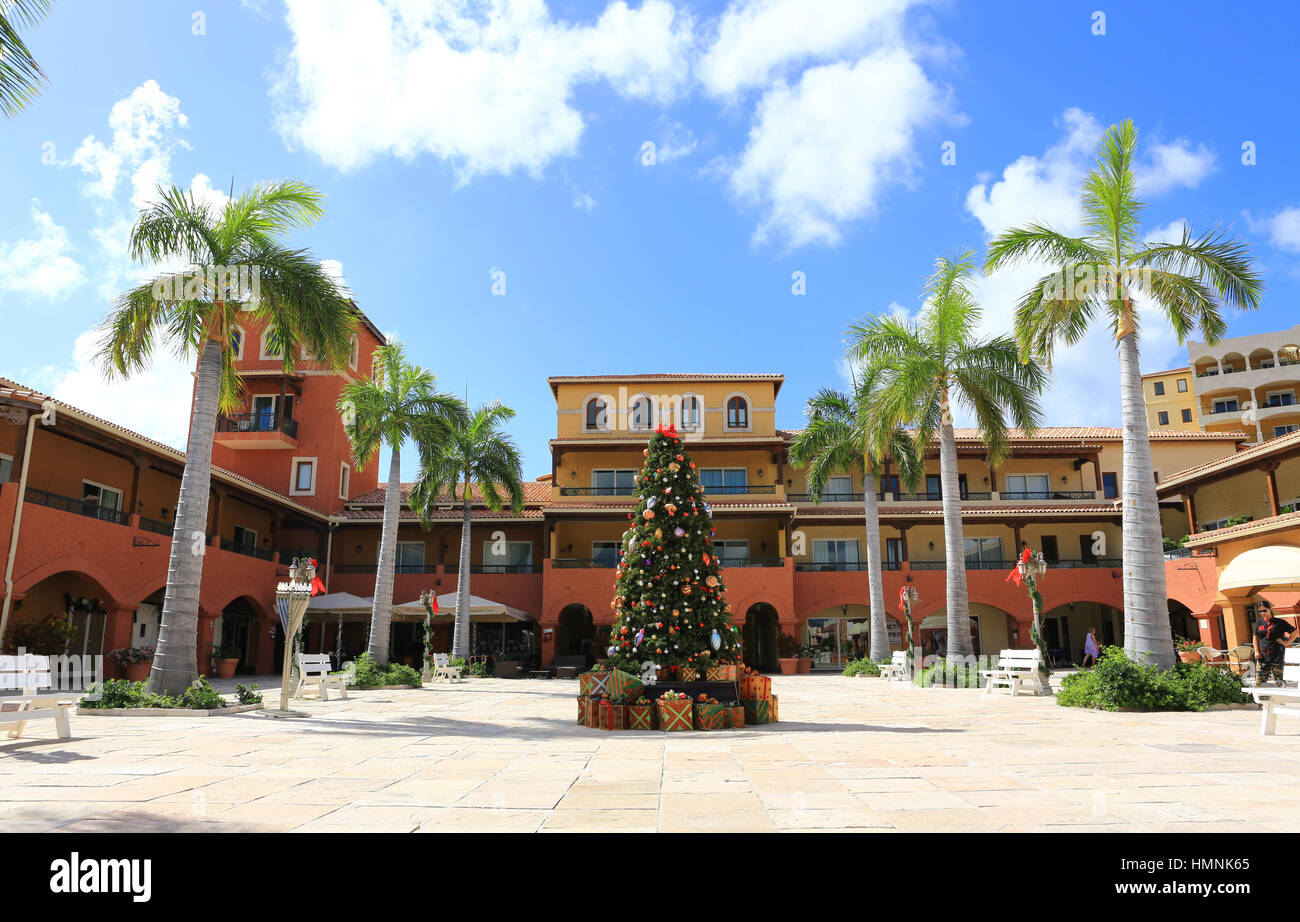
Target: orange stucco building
91 504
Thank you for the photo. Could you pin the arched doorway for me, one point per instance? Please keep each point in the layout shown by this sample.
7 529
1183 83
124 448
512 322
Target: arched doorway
1182 623
63 613
1066 627
576 632
759 636
991 630
238 624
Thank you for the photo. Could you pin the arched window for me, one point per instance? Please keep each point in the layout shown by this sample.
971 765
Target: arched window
641 414
271 348
737 413
354 355
237 342
597 419
689 415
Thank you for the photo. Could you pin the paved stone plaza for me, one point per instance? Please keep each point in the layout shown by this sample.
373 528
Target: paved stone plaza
502 755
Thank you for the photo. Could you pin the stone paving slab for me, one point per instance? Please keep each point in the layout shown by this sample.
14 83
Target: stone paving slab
495 755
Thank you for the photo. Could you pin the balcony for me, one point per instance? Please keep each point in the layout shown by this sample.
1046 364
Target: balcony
87 507
598 491
256 431
247 550
735 562
843 566
583 563
748 489
1050 494
833 497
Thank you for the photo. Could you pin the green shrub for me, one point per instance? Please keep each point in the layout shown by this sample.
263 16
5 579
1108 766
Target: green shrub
401 674
370 674
248 694
201 696
478 669
862 666
119 693
1117 683
950 675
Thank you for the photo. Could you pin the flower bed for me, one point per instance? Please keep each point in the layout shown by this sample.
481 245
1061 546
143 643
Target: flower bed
123 698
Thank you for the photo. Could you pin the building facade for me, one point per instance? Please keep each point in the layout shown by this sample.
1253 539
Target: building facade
91 504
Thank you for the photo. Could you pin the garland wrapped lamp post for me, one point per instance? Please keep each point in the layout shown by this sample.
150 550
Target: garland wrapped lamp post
291 598
429 599
907 597
1031 568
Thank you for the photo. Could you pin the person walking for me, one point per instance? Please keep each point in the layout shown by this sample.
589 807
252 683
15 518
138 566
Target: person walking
1272 636
1091 650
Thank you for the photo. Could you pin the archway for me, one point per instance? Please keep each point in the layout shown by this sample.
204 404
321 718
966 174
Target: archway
576 632
238 623
759 637
64 612
991 630
1066 627
1182 623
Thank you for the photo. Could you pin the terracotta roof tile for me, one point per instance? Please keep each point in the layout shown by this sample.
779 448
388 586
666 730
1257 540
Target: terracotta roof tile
1246 456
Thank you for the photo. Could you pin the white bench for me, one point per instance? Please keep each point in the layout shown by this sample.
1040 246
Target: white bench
1281 702
28 673
314 672
898 667
444 670
1015 668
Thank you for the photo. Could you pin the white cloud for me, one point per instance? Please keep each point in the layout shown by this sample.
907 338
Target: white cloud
41 265
810 168
675 141
1282 229
1169 166
334 269
154 402
486 87
583 201
758 40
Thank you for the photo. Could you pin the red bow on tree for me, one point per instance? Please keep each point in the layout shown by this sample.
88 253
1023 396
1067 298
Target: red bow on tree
669 430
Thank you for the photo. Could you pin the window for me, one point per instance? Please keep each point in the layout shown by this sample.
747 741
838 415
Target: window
838 486
1110 485
835 551
102 501
893 552
889 485
6 468
690 413
1160 388
1182 385
345 473
613 482
1085 549
1163 416
597 419
271 347
516 556
641 415
1051 553
354 355
304 476
1187 416
245 537
237 342
737 413
263 416
983 551
732 553
1281 398
1277 430
1225 406
605 553
410 557
1028 486
933 487
724 480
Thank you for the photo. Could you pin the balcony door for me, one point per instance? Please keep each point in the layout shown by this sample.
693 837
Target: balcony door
834 554
263 415
514 557
613 482
1029 486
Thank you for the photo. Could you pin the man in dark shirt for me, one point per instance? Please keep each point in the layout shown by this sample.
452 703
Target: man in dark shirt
1272 635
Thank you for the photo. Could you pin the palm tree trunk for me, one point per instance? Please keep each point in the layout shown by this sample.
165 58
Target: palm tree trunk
460 635
879 640
174 663
1147 636
381 610
957 602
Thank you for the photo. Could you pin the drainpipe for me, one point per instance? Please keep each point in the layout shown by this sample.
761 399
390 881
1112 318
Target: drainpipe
46 416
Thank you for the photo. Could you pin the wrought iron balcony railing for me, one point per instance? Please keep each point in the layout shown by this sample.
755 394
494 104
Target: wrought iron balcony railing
87 507
256 422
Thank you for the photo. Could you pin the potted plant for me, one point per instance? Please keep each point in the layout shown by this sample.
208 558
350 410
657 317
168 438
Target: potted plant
226 660
805 659
1188 650
787 649
135 662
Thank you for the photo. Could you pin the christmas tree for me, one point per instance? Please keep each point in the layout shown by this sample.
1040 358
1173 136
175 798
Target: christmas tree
669 601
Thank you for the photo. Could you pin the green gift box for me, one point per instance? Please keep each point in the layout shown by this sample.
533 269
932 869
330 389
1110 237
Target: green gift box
758 710
736 715
622 686
710 717
675 714
593 684
641 716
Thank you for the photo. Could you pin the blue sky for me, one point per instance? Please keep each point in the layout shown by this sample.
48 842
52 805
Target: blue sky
454 139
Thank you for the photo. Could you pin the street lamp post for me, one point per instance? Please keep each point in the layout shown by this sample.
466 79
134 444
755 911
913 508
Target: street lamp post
291 598
428 599
907 597
1032 568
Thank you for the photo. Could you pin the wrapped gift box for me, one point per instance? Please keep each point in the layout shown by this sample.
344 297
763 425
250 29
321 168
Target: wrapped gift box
582 710
710 717
722 673
641 716
623 686
758 710
687 674
775 717
754 687
593 684
612 716
589 710
736 715
677 714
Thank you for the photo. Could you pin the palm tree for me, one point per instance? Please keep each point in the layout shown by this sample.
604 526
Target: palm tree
1096 278
235 264
399 401
844 433
475 454
927 364
20 75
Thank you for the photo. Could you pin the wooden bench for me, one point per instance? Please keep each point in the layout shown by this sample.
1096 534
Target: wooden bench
28 673
314 672
443 669
1014 669
898 667
1281 702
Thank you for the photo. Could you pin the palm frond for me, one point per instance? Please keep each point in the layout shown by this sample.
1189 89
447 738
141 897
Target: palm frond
20 75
